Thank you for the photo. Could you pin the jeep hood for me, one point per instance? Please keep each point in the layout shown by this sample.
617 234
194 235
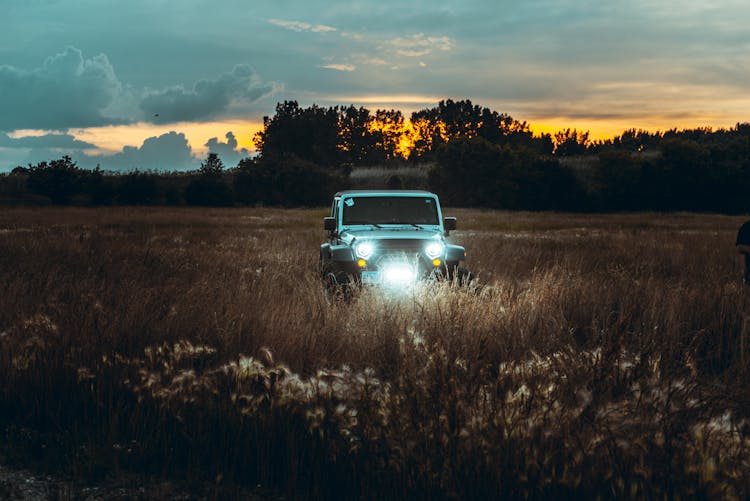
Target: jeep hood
390 233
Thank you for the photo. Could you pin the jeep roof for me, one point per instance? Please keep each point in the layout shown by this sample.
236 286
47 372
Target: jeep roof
384 192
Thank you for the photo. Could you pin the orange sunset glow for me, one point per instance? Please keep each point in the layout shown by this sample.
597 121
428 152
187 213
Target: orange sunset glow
112 139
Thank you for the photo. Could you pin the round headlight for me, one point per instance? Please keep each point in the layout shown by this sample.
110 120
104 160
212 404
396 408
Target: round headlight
364 250
434 250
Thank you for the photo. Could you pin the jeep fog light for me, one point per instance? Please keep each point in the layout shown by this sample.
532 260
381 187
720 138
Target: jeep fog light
434 250
361 263
364 250
399 274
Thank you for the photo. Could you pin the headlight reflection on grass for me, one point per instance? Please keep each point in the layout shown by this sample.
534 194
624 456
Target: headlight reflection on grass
399 274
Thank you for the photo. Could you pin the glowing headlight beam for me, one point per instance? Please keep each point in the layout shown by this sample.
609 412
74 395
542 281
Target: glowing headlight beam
434 250
364 250
399 274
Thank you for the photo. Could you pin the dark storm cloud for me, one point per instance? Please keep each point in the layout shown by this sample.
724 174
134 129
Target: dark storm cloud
71 91
207 99
228 152
66 91
57 141
169 151
27 150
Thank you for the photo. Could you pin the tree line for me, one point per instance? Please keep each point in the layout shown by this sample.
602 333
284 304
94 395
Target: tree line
474 156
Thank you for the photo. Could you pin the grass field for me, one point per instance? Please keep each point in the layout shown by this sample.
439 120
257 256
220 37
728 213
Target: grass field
597 355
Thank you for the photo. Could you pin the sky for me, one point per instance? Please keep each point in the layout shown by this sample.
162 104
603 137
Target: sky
158 84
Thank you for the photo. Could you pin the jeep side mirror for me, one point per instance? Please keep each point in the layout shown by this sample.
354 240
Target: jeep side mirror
329 223
449 223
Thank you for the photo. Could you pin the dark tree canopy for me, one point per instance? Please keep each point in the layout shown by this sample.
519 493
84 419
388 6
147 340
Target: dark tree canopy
451 120
309 133
571 142
212 166
476 156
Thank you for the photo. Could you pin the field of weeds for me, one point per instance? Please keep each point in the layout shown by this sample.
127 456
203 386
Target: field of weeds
595 356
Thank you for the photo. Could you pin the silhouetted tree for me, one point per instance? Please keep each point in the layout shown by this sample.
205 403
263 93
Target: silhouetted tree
212 166
451 120
209 188
59 180
359 142
390 131
248 183
311 134
570 142
483 158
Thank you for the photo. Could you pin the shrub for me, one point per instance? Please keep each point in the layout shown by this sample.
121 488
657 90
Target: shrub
59 180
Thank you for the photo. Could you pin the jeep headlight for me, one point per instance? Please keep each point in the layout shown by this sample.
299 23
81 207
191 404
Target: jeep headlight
364 250
434 250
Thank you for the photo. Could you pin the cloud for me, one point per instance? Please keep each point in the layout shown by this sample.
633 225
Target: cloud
55 141
70 91
166 152
228 152
373 61
169 151
207 99
379 50
300 26
420 45
32 149
339 67
66 91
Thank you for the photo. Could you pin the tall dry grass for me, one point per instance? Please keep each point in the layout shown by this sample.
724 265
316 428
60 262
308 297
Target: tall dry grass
597 356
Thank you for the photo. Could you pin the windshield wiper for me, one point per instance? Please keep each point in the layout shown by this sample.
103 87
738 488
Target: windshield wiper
363 224
417 226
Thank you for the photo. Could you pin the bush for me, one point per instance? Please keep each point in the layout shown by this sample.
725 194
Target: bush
59 180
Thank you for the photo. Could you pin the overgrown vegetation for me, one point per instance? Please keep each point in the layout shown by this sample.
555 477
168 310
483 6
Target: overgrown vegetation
602 356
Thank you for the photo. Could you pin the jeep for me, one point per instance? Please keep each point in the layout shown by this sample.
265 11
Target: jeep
390 238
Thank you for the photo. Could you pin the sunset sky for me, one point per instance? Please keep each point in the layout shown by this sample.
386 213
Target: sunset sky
159 83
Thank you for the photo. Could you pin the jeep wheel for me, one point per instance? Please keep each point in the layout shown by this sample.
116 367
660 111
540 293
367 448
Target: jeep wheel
335 281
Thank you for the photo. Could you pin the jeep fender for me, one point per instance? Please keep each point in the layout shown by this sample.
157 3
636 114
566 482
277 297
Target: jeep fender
454 253
336 252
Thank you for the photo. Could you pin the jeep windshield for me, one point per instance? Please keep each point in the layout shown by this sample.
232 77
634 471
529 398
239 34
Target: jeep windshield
390 210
